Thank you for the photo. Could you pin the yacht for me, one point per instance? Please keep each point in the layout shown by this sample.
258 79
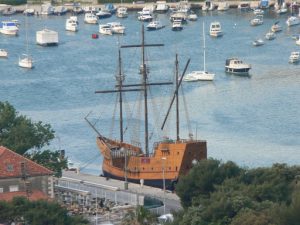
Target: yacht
90 18
179 16
25 61
29 12
145 17
294 57
72 24
223 6
208 6
237 66
258 42
47 9
177 25
103 13
258 20
122 12
60 10
215 29
192 16
91 9
3 53
117 28
270 35
161 7
244 6
9 28
155 25
105 29
276 27
293 20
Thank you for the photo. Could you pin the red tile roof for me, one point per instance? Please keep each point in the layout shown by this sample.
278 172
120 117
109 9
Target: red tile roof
35 195
10 165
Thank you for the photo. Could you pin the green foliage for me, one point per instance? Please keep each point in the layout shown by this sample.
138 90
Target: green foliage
50 159
216 193
13 2
141 216
19 133
37 213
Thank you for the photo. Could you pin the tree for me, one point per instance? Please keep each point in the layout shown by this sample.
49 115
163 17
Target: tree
19 133
37 213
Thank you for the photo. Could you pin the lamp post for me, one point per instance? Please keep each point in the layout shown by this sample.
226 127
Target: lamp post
164 182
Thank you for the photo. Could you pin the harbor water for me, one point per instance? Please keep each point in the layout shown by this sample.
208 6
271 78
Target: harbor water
252 120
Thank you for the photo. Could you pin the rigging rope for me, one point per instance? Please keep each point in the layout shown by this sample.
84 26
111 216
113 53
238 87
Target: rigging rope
186 113
113 117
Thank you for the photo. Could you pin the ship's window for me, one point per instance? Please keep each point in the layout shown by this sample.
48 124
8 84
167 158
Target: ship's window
1 190
176 168
177 153
152 168
169 168
143 168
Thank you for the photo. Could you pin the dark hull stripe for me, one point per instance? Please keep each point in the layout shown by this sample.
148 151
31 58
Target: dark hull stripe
153 183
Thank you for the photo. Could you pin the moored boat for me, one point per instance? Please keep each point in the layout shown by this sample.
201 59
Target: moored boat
258 42
90 18
258 20
3 53
294 57
47 37
177 25
276 27
215 29
105 29
270 35
72 24
155 25
237 66
9 28
117 28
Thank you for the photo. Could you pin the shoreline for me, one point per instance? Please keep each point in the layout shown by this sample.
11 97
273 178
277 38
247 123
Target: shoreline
140 6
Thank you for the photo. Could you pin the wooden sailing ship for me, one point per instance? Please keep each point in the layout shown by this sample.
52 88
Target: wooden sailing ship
169 159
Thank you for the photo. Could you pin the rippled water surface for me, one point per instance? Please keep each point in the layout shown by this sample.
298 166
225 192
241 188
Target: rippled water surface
253 120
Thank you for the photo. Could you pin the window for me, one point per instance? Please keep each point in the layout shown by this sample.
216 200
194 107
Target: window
10 167
1 190
13 188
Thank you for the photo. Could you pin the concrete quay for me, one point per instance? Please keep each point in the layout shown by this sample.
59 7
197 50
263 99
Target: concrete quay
139 6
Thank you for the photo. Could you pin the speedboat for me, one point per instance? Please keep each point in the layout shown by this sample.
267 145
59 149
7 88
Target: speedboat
90 18
155 25
199 76
179 16
270 35
9 28
237 66
29 12
298 41
294 57
103 13
25 61
3 53
145 17
117 28
258 12
258 42
293 20
105 29
122 12
215 29
161 7
192 16
72 24
276 27
258 20
177 25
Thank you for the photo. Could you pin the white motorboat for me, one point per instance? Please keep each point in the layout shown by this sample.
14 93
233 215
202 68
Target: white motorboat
276 27
237 66
155 25
9 11
117 28
103 13
192 16
258 42
282 9
122 12
91 9
90 18
270 35
298 41
177 25
9 28
145 17
258 12
47 37
215 29
200 75
244 6
161 7
179 16
3 53
29 12
223 6
105 29
293 20
60 10
258 20
294 57
208 5
72 24
47 9
25 61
